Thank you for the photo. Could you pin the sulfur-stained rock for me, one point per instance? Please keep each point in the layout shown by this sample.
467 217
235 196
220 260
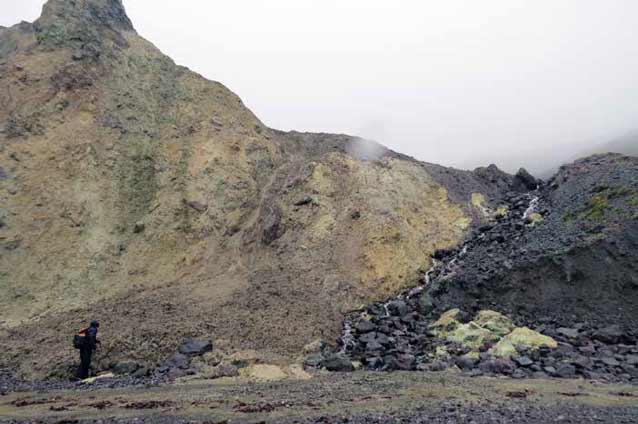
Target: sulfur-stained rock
534 218
264 372
471 335
521 336
494 321
447 322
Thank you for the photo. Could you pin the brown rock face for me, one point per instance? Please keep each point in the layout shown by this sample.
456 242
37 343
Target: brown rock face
137 192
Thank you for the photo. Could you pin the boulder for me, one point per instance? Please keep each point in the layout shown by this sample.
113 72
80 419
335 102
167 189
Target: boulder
365 326
566 371
498 366
397 308
569 333
382 339
609 335
193 347
582 362
406 362
588 349
374 363
610 361
141 372
314 360
523 361
467 361
367 337
337 363
139 227
632 359
521 336
125 367
374 346
550 370
524 181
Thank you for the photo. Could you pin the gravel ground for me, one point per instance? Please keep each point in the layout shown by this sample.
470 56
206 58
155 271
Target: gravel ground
361 397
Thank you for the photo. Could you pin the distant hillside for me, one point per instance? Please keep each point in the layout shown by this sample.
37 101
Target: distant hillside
627 145
546 166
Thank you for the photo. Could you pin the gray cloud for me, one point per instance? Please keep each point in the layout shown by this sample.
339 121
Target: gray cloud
459 82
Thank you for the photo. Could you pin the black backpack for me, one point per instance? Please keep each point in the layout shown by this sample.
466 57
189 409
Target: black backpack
80 339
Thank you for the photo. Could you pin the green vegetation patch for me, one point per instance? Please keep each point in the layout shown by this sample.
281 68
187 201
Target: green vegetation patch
54 35
596 208
600 203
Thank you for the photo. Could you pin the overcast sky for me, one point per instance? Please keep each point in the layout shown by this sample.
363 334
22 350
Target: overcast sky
458 82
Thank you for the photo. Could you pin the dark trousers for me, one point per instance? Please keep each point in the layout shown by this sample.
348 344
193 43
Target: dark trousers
85 363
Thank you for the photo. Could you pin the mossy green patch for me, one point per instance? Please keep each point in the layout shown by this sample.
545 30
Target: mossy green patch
600 203
619 191
53 35
596 208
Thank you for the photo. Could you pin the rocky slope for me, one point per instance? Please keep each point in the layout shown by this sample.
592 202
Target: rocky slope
135 191
549 288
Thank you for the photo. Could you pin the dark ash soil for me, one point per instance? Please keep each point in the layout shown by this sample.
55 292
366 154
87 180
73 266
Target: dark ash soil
362 397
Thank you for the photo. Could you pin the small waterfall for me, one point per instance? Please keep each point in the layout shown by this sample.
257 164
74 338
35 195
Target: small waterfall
428 277
533 205
347 338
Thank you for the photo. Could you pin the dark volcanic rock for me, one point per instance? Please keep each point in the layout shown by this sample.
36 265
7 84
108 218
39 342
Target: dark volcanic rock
554 262
569 333
566 371
194 347
579 263
610 335
524 181
523 361
314 360
398 308
338 363
365 326
126 367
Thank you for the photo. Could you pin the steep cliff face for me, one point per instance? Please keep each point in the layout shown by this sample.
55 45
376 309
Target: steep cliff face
136 191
